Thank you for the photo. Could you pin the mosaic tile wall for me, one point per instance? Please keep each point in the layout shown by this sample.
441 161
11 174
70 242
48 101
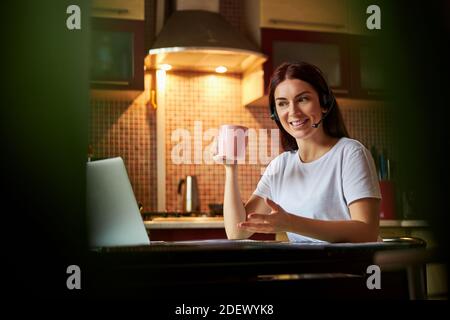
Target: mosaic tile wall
370 123
231 10
196 102
127 129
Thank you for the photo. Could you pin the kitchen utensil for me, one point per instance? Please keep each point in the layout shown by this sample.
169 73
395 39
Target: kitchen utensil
188 194
215 209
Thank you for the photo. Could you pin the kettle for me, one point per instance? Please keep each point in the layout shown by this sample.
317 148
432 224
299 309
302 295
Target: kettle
188 194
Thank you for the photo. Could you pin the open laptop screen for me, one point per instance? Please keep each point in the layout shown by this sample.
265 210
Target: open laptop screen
113 214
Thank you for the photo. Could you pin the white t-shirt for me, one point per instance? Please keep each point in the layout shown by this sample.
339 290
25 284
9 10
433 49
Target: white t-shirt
324 188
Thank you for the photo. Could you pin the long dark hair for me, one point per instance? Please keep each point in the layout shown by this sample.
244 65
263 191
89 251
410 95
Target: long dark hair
333 124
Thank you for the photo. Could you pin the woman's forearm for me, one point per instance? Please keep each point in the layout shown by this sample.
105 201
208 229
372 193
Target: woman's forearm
233 209
334 231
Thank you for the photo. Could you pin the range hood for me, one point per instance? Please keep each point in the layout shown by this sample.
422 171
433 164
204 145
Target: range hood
203 40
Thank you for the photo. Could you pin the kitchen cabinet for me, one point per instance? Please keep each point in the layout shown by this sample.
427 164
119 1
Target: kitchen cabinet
318 15
350 63
330 52
367 73
197 234
117 54
119 9
331 34
191 228
345 16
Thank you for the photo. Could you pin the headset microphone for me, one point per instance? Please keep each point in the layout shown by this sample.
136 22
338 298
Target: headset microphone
317 124
325 102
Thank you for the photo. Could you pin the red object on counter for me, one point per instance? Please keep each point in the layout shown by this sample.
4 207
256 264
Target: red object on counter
387 209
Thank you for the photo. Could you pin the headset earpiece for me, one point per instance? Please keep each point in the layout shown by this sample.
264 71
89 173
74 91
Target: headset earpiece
274 116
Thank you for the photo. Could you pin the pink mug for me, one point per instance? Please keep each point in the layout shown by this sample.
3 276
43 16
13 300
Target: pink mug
232 141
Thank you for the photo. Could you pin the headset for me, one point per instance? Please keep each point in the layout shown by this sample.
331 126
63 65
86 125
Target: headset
327 101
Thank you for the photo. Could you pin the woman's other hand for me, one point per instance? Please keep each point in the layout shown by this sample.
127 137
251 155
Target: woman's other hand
277 220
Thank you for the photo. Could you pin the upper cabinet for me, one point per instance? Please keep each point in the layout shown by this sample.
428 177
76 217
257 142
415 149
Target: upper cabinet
350 63
119 9
330 34
343 16
367 72
317 15
328 51
117 45
117 54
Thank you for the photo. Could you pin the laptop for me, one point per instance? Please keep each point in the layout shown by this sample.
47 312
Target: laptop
113 217
114 220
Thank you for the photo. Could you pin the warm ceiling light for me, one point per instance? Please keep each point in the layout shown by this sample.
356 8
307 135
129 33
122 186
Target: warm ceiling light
221 69
165 67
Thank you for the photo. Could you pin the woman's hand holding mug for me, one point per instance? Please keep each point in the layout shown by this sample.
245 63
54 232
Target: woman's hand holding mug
230 145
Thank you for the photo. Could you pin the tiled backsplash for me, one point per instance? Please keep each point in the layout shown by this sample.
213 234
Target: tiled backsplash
197 102
194 103
232 10
127 129
368 122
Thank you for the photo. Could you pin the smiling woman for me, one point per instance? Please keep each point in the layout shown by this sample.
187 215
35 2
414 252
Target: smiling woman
311 94
324 187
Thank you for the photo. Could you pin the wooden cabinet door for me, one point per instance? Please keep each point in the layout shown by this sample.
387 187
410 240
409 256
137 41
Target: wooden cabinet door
119 9
317 15
197 234
117 54
368 76
328 51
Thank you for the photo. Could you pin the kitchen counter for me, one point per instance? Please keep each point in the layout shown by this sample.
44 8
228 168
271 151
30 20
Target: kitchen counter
217 223
185 223
191 228
404 223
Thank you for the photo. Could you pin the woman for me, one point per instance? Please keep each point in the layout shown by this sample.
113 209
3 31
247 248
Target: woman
325 187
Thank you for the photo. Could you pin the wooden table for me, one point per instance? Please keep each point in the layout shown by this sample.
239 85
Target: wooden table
245 268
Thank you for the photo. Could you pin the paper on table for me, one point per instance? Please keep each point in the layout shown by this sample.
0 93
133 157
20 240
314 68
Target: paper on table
219 241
